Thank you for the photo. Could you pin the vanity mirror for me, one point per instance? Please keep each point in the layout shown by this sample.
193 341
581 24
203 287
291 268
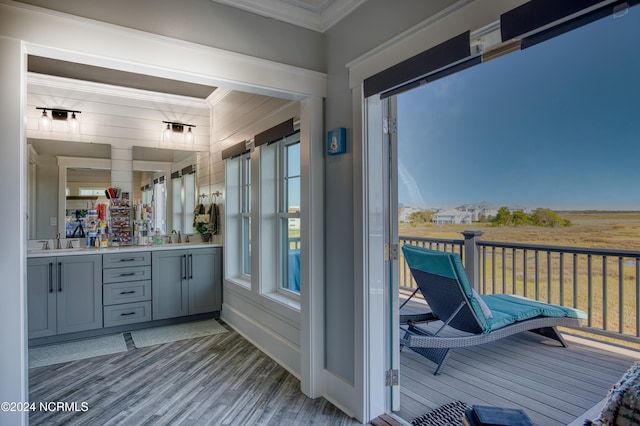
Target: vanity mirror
67 176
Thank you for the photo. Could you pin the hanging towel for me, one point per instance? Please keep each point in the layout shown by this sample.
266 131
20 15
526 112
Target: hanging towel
214 215
198 210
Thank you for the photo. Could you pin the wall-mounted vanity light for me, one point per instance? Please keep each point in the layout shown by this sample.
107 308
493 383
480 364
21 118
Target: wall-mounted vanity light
45 122
174 127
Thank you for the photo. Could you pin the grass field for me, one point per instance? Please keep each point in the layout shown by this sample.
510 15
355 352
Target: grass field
596 230
601 283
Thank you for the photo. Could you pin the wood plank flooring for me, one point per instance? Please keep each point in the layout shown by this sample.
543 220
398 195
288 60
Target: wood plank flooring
554 385
213 380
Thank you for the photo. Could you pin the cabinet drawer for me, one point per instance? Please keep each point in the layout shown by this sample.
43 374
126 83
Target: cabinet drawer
128 313
119 275
136 291
121 260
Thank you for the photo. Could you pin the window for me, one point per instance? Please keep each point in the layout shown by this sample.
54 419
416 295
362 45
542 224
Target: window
160 202
245 165
263 217
183 201
289 214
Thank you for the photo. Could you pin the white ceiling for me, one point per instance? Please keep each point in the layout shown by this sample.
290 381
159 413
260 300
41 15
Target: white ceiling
317 15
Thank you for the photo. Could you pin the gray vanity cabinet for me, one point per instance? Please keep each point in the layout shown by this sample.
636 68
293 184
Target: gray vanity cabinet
186 282
205 280
42 288
64 294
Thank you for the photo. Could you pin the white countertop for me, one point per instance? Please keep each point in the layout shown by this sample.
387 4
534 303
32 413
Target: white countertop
119 249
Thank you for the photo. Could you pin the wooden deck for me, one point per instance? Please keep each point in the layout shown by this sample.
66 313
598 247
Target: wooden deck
554 385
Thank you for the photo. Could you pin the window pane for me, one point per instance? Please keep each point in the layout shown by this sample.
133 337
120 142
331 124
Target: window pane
291 254
176 205
189 202
293 159
246 184
159 211
246 245
293 195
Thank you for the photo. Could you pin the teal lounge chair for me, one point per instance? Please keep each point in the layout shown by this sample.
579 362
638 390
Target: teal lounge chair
443 282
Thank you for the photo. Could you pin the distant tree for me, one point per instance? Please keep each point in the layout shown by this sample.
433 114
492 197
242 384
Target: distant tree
520 218
420 217
503 217
547 217
540 217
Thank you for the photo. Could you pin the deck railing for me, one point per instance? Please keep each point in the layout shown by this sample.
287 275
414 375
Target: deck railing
605 283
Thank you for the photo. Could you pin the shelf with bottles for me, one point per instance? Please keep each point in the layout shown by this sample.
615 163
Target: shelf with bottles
120 215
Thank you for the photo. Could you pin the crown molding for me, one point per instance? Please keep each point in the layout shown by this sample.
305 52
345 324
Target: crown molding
317 18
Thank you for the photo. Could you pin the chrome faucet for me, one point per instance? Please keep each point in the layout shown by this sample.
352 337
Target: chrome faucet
45 244
58 246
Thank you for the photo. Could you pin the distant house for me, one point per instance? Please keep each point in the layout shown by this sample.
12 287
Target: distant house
452 216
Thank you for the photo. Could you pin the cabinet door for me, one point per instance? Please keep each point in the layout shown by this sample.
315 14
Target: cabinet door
204 287
42 286
79 293
169 287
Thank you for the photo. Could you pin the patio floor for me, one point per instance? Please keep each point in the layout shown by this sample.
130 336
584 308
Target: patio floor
554 385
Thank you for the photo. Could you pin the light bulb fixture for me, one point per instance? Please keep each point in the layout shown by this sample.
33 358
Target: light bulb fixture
46 124
73 125
188 137
167 133
174 127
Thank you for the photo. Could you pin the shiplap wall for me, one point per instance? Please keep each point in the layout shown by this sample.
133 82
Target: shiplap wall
124 118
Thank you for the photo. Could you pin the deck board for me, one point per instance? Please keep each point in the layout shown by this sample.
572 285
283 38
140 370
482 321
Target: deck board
554 385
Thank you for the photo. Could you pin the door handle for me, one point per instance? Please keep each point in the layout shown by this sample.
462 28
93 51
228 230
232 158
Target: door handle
127 292
184 265
190 266
50 277
127 313
127 274
59 276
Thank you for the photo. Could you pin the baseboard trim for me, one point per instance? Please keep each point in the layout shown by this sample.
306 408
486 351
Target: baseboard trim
275 346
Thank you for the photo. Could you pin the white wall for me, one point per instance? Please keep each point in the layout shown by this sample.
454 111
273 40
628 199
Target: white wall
13 335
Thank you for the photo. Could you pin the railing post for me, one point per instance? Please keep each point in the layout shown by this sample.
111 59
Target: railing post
472 257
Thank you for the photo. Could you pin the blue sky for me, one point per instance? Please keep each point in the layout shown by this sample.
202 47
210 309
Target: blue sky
556 125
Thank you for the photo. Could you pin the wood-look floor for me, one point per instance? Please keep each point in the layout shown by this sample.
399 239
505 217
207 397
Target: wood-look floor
213 380
554 385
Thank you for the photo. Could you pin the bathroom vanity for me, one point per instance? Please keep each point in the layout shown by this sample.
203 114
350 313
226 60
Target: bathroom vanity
79 293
